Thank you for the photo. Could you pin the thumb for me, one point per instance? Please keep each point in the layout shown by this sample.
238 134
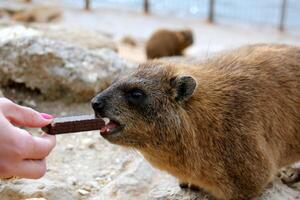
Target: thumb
24 116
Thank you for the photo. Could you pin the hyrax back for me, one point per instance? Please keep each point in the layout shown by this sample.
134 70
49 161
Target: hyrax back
164 43
226 125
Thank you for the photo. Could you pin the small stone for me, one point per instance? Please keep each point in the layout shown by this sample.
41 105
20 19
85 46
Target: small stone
87 188
83 192
88 142
72 181
69 147
92 145
41 186
93 184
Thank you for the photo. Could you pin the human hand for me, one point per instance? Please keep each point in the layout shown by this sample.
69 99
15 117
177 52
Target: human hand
22 154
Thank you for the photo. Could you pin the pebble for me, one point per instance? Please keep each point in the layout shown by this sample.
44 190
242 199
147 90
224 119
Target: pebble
42 186
69 147
83 192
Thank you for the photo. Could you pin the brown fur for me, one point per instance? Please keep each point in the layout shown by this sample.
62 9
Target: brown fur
230 138
164 43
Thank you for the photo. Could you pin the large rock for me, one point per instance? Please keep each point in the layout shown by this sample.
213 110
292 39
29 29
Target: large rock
79 36
141 181
24 12
74 35
58 69
135 182
23 189
39 13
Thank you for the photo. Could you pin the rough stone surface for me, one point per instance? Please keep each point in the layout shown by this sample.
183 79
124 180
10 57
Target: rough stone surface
27 189
39 13
57 69
33 12
76 36
135 181
79 36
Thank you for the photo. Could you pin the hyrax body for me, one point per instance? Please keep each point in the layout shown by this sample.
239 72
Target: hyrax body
164 43
226 125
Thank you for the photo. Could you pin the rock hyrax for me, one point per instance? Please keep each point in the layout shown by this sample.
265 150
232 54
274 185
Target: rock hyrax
168 43
226 125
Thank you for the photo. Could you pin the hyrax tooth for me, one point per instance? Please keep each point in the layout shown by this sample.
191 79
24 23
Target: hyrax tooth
106 120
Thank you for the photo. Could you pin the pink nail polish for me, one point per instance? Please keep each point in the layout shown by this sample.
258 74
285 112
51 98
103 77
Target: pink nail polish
46 116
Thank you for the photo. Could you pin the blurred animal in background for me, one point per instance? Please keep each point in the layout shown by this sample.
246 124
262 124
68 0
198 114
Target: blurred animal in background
165 42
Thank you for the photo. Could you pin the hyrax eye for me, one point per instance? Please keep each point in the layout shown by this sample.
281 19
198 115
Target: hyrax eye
135 96
136 93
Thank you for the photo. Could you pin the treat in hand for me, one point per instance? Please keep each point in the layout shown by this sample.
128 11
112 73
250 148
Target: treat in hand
71 124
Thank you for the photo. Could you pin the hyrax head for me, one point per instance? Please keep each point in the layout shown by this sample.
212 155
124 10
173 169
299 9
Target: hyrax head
187 36
146 107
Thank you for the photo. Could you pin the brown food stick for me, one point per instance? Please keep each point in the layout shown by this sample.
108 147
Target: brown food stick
73 124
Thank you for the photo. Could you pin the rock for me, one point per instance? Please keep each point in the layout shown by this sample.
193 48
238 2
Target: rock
132 183
128 40
1 94
39 13
88 142
79 36
8 7
24 12
29 189
57 69
140 181
18 31
83 192
35 199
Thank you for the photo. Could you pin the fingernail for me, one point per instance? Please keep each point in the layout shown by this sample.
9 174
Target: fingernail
46 116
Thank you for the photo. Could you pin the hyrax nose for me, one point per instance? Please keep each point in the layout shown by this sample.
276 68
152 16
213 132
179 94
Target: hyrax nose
98 104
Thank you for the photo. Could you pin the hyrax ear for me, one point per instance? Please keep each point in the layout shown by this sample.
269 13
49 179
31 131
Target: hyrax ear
184 87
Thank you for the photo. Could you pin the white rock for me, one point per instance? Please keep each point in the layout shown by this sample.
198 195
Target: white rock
83 192
44 64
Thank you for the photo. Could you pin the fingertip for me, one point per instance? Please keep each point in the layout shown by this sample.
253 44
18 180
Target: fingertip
46 116
41 171
32 169
50 138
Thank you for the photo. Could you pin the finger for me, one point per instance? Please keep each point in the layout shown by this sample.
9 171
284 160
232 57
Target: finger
5 169
39 147
27 146
24 116
32 169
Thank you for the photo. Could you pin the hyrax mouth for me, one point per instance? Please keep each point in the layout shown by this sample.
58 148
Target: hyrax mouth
111 126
